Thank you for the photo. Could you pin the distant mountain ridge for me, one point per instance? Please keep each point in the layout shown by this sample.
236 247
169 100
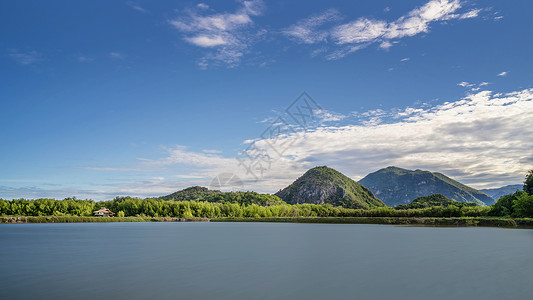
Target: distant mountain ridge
396 186
502 191
325 185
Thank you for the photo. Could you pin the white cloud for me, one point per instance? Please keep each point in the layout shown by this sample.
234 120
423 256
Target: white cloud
405 59
25 58
212 151
465 84
116 55
328 116
474 87
307 31
359 33
342 52
138 8
83 58
230 35
207 41
471 14
202 6
502 74
385 45
115 169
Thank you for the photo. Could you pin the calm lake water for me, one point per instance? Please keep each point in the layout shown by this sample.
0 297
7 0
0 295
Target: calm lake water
263 261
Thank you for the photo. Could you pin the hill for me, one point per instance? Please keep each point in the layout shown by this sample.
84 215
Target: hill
193 193
198 193
433 200
396 186
325 185
502 191
245 198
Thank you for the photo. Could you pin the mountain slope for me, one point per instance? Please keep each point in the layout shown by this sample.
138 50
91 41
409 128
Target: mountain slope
325 185
502 191
396 186
433 200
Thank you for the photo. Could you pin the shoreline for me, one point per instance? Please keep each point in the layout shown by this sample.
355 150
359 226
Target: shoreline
413 221
407 221
77 219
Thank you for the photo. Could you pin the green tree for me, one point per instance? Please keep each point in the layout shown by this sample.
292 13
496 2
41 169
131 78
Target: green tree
528 183
523 206
504 205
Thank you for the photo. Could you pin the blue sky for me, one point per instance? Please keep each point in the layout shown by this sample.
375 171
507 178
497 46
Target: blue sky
142 98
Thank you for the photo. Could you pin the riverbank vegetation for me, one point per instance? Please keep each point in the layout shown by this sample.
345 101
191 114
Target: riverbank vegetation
413 221
126 206
518 205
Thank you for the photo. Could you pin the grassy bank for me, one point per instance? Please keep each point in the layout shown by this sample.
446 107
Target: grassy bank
458 222
77 219
455 222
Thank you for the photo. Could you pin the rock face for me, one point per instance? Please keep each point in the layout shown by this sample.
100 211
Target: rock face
396 186
325 185
504 190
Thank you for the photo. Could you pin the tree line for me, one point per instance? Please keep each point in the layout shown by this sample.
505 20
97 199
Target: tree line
127 206
517 205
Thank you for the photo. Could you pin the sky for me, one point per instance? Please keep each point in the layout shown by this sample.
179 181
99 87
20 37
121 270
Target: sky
112 98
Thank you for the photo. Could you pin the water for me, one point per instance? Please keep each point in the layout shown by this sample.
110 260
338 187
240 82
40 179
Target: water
262 261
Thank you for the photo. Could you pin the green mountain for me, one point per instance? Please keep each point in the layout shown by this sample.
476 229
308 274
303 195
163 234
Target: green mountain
397 186
502 191
433 200
198 193
193 193
245 198
325 185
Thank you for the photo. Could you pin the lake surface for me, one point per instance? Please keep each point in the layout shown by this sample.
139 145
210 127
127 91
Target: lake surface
263 261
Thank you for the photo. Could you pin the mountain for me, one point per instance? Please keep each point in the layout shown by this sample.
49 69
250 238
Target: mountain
198 193
325 185
504 190
396 186
193 193
433 200
246 198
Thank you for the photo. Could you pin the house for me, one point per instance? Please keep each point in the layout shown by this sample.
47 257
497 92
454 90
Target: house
103 212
